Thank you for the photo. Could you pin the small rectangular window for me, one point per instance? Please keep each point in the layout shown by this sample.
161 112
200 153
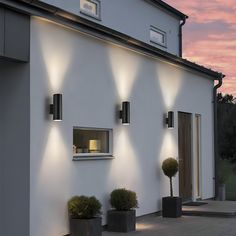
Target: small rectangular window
158 36
90 142
90 8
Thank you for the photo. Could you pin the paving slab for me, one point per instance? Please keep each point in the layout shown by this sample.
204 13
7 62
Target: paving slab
184 226
212 208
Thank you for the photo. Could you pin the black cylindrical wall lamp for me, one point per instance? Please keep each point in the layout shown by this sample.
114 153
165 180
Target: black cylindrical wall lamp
56 107
170 120
125 113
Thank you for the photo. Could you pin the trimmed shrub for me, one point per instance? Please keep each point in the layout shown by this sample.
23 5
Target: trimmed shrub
123 200
170 168
83 207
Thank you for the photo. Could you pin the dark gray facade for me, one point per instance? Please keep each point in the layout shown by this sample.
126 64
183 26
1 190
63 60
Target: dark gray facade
15 148
14 35
14 123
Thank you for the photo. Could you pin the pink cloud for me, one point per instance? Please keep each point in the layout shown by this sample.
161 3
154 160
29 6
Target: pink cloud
210 36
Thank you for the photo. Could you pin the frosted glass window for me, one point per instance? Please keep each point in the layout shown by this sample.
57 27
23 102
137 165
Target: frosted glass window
90 8
157 36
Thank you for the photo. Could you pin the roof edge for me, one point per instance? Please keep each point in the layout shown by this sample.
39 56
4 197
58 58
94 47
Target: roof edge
164 5
44 10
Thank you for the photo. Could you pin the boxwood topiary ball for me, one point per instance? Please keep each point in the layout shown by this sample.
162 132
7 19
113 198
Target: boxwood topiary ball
123 200
170 167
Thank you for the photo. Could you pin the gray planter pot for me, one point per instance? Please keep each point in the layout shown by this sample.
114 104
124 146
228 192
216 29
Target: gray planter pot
121 221
221 192
86 227
172 207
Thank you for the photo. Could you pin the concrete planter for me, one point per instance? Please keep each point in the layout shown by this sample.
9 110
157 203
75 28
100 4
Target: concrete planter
86 227
221 192
172 207
121 221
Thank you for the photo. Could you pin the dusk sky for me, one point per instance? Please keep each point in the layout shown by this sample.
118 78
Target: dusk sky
209 36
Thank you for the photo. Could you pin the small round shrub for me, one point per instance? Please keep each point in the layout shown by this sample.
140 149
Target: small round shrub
82 207
170 167
123 200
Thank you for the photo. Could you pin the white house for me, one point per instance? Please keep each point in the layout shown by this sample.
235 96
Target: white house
97 54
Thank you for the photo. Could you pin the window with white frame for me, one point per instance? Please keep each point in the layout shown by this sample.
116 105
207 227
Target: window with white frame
90 142
91 8
158 36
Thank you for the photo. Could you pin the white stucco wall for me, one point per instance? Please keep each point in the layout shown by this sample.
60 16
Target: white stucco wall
95 77
131 17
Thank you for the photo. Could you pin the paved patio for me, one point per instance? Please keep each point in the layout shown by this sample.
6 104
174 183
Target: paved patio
212 208
198 224
184 226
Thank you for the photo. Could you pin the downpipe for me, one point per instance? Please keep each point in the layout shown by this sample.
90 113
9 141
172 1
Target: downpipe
216 154
181 36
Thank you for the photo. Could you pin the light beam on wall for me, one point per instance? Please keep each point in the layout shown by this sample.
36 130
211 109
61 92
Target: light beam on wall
53 175
170 79
125 67
56 51
128 165
54 155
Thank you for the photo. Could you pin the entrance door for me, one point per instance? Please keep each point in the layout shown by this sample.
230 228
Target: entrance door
185 155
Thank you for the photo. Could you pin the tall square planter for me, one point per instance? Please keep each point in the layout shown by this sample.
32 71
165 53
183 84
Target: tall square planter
172 207
86 227
121 221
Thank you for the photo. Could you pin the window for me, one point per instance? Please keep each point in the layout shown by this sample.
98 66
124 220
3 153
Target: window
90 8
158 36
91 142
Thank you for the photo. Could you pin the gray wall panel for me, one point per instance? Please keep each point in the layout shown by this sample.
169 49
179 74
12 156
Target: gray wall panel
17 30
15 148
1 31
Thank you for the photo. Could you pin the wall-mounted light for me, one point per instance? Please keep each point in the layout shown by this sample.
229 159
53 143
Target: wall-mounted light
125 113
170 120
56 107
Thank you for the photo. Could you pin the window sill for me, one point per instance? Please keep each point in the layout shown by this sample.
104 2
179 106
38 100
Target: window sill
90 15
91 158
155 44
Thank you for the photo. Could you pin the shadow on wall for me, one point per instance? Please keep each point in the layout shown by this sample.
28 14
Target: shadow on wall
57 60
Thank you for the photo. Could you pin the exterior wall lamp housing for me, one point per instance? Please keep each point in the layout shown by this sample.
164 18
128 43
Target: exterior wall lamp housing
170 120
56 107
125 113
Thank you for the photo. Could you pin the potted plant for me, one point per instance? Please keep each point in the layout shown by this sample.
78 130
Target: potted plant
123 217
171 206
85 217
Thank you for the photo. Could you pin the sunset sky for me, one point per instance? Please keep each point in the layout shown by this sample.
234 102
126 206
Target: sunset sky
209 36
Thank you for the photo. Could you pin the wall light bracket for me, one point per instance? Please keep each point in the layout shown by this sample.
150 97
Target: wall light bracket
125 113
170 120
55 109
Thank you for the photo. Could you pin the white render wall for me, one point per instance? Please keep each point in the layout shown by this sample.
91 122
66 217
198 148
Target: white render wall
95 77
131 17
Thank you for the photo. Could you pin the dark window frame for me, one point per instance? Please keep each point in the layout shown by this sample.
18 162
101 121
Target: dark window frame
95 156
95 16
161 32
